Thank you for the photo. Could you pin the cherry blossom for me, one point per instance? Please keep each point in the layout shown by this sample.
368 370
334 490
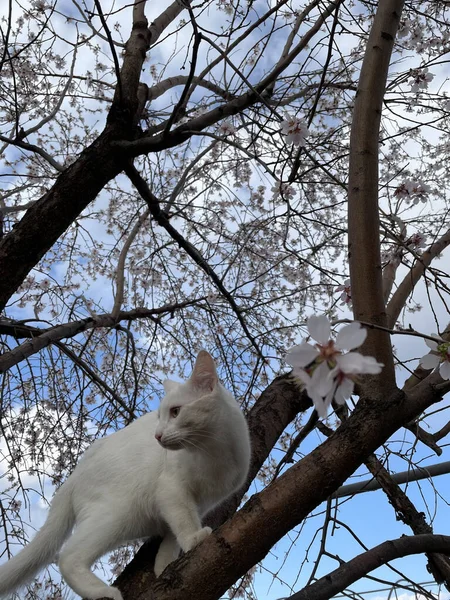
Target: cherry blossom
346 296
227 128
438 357
416 241
295 130
326 370
413 191
286 191
421 79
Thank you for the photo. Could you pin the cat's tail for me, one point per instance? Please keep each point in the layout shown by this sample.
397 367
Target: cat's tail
43 548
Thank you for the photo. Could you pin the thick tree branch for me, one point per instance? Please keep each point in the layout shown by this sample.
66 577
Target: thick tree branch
358 567
120 271
363 215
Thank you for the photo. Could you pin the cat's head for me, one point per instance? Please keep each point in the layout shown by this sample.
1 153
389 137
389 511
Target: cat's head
188 412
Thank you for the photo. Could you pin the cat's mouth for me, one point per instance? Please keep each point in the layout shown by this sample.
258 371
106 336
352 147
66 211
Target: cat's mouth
171 444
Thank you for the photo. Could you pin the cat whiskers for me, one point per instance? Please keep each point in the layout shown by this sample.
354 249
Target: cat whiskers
202 449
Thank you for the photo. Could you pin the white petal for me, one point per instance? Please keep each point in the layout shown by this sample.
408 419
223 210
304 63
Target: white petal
319 328
351 336
431 344
371 366
301 355
320 404
350 363
344 390
354 362
321 380
429 361
303 375
444 370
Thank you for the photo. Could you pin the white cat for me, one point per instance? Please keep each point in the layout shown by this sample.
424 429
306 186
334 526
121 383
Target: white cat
158 476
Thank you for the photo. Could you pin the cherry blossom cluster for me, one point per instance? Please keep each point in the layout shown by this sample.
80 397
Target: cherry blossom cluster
286 191
327 370
420 79
295 130
413 191
226 128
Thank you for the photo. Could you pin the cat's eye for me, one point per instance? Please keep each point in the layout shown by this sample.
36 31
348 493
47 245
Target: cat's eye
174 411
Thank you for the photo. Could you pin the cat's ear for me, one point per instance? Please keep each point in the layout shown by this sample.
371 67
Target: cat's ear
204 375
170 386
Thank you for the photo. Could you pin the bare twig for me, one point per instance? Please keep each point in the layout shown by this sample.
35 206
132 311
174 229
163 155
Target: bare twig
120 272
358 567
162 220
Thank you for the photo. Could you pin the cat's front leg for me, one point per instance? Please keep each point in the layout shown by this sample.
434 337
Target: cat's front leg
180 512
167 552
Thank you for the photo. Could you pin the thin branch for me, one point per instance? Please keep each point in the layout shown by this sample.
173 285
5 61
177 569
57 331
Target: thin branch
42 338
155 143
88 22
338 580
23 134
111 45
181 102
397 302
162 220
166 84
120 271
33 148
100 383
439 564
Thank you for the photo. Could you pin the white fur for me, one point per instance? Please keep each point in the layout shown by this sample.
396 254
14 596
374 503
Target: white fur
128 486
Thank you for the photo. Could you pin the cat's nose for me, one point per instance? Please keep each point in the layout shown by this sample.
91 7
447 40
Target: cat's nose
158 436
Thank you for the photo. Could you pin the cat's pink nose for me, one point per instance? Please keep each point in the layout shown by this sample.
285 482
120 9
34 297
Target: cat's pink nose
158 436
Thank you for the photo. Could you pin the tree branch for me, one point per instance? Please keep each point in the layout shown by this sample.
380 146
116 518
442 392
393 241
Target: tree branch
358 567
120 271
363 214
397 302
438 564
41 338
162 220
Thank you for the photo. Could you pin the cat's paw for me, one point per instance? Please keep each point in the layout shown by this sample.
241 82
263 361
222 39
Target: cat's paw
111 592
197 537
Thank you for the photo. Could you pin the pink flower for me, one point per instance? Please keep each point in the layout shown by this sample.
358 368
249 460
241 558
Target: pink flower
326 370
416 241
413 191
346 296
421 79
295 130
286 191
226 128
